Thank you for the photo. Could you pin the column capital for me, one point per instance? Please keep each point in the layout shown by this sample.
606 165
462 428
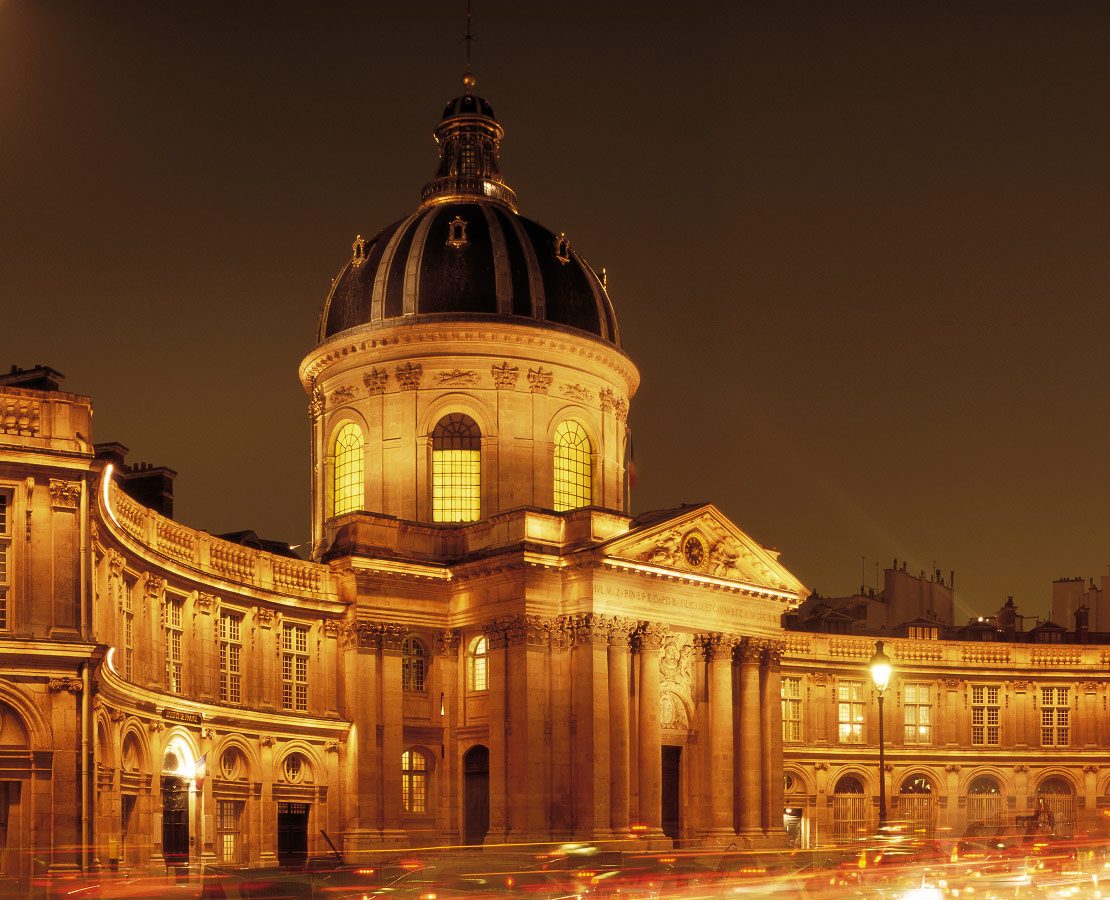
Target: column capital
648 636
533 631
374 635
772 652
749 651
714 645
620 632
592 628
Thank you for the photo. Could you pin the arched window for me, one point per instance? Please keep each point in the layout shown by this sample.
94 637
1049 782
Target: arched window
414 781
347 489
850 808
412 665
456 470
477 664
917 806
984 806
573 467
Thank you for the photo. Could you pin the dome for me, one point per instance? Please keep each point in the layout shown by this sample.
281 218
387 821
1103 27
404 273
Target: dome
468 259
466 253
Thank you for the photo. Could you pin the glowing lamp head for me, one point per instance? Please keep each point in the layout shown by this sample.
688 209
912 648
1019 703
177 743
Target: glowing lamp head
880 667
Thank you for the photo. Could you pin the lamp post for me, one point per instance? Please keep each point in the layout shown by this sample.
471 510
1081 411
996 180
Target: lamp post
880 674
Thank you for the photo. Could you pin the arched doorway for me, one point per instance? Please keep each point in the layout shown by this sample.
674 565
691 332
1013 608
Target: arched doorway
178 769
849 809
15 828
1054 812
984 805
917 805
476 792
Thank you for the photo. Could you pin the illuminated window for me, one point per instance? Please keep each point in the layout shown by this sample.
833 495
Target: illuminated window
917 704
128 628
1054 717
5 557
412 665
414 781
294 768
294 667
850 707
984 715
228 815
791 708
922 633
347 490
456 470
573 467
231 648
171 627
477 664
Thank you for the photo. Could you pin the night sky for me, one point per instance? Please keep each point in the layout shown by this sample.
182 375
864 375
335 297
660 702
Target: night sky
858 252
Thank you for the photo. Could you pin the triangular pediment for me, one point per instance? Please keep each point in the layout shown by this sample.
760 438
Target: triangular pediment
700 542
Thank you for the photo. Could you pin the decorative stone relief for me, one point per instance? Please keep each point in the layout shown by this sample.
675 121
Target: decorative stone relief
447 642
676 662
591 628
205 602
266 740
495 634
117 715
456 376
332 628
1089 687
344 393
821 766
620 633
115 563
153 586
504 376
614 403
409 375
64 494
672 711
1090 769
665 552
539 381
316 405
331 746
265 617
575 392
375 381
772 652
154 726
73 685
715 645
952 768
374 635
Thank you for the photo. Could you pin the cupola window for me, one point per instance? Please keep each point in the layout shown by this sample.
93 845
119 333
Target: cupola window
562 249
456 470
573 467
347 483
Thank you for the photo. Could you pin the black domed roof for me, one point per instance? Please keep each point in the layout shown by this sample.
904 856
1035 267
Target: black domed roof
467 253
468 259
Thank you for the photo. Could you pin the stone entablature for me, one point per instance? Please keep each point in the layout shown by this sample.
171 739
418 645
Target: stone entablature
207 555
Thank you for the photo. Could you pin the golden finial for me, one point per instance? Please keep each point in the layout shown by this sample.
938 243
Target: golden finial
469 81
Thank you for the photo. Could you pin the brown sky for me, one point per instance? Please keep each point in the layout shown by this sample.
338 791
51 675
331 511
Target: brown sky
858 251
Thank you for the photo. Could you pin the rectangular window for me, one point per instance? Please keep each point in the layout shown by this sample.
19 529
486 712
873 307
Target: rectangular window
172 627
791 708
1055 716
5 558
918 706
984 715
228 815
231 649
922 633
456 485
294 667
128 628
850 708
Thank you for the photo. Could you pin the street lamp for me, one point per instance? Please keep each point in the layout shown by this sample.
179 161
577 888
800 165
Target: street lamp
880 674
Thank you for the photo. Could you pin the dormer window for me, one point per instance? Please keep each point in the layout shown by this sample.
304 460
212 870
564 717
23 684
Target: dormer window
456 234
562 248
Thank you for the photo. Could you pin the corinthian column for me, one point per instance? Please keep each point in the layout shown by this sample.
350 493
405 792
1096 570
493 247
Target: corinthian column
591 734
718 654
750 653
648 642
771 744
619 692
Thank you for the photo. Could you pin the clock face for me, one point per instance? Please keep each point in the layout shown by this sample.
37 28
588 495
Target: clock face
693 551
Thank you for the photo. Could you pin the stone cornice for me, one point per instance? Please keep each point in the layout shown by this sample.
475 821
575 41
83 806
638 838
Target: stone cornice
399 343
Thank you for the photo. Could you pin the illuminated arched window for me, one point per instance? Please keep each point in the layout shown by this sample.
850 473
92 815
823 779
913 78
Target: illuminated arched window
456 470
347 491
477 664
573 467
414 781
412 665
